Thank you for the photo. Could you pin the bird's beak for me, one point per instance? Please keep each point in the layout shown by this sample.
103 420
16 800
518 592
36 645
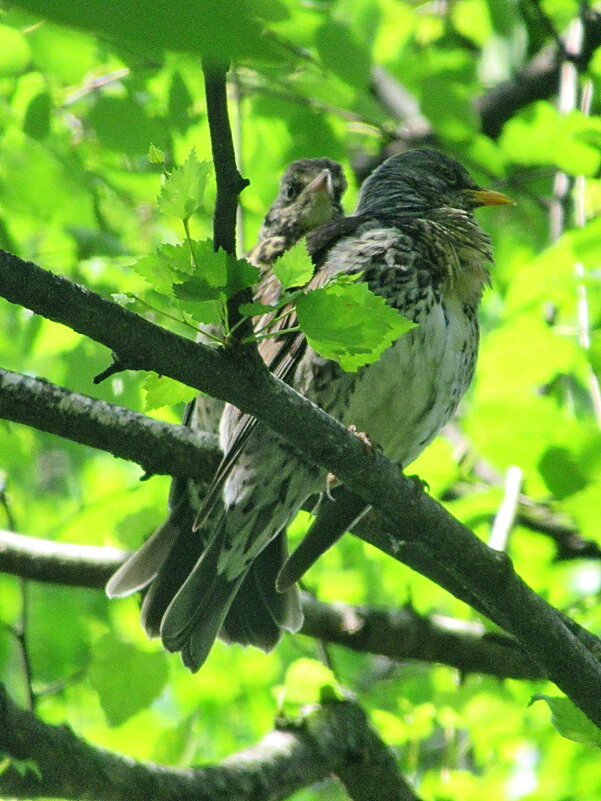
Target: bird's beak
322 184
488 197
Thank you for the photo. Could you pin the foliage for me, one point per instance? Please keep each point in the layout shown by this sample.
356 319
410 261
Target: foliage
80 107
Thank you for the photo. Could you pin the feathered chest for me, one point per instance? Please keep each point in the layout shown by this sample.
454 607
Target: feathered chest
403 400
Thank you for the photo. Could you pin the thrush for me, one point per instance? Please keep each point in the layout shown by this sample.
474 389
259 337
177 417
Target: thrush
414 241
310 192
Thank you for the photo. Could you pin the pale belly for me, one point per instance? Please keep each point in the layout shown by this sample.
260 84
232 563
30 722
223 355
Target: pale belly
403 400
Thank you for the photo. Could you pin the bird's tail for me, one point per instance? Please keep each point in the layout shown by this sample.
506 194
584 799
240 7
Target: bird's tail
244 608
189 603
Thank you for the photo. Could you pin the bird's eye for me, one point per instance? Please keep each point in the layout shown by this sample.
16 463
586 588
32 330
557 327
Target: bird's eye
292 190
448 174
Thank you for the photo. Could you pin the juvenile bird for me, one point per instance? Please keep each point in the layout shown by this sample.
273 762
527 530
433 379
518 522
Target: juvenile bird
310 192
414 241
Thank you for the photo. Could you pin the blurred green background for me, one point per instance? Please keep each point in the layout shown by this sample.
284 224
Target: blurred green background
79 107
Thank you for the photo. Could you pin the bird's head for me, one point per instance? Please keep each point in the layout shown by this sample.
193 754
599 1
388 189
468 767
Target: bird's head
309 195
418 181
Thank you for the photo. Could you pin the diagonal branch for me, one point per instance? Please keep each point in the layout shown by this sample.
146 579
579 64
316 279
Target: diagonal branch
551 640
334 738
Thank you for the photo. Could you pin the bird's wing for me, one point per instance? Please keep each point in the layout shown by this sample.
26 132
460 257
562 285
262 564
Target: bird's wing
282 353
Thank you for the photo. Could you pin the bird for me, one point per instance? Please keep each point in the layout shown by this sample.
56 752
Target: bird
414 241
309 194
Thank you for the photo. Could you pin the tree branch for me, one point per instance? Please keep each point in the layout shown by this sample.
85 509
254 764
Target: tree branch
552 641
158 447
402 634
334 738
229 181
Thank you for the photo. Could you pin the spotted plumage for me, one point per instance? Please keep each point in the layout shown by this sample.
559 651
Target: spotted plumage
414 241
309 195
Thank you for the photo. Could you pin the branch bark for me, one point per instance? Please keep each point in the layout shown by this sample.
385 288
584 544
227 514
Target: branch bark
158 447
229 181
334 738
553 642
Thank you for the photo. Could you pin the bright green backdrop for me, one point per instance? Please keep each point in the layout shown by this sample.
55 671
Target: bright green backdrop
78 196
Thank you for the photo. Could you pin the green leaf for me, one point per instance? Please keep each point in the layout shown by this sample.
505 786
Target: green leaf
174 265
241 274
37 117
561 472
541 135
155 269
14 51
294 268
255 308
123 124
208 28
126 679
218 276
349 324
155 155
448 104
183 190
163 391
343 54
570 721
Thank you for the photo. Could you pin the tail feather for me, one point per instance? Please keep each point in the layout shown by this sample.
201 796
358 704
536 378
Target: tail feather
143 566
333 519
196 614
196 639
185 553
259 612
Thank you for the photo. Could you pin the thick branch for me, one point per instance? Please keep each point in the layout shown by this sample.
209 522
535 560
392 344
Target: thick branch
335 738
488 575
158 447
397 634
404 634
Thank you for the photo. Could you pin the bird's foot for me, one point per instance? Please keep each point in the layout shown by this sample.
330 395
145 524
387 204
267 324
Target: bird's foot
331 480
419 485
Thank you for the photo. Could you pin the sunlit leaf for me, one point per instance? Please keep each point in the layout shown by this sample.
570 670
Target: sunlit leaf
294 268
183 191
163 391
121 696
570 721
305 681
349 324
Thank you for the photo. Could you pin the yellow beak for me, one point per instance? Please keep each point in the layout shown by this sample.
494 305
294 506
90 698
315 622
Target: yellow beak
488 197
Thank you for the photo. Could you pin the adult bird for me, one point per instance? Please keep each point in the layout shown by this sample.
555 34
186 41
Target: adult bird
415 242
309 195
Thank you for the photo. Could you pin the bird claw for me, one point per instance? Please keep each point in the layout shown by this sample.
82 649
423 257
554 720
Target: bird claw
419 485
331 480
364 438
